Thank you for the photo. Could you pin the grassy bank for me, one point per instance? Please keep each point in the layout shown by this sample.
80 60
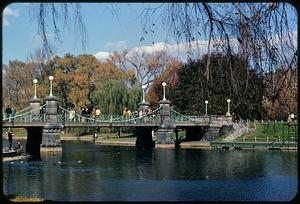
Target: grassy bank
270 131
18 133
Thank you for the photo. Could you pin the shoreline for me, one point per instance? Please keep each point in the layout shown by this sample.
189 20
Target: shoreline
14 158
114 141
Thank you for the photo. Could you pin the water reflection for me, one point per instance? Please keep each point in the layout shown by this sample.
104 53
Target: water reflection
85 171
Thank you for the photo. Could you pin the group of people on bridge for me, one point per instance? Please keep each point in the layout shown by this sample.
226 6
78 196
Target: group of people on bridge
94 112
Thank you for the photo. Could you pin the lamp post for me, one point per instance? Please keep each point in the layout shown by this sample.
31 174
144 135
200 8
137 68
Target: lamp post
50 78
143 87
228 107
206 102
164 84
35 81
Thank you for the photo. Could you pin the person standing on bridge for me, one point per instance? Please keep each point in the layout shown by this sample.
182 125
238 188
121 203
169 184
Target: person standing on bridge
71 115
10 135
83 114
124 111
98 113
93 113
8 112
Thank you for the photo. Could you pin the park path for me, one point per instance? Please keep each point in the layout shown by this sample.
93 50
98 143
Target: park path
239 129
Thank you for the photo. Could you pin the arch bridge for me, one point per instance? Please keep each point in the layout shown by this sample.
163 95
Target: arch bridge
44 124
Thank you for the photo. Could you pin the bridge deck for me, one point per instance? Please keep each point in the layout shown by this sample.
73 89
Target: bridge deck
112 124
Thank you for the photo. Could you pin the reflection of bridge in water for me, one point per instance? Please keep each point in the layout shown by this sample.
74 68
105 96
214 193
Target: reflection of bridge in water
44 124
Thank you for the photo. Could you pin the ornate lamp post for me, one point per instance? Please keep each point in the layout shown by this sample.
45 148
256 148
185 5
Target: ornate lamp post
35 81
143 87
206 102
164 84
50 78
228 107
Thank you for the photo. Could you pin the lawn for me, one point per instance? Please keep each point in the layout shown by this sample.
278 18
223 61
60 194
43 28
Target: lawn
271 131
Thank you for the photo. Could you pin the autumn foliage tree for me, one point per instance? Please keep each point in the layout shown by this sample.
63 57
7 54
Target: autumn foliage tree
170 76
18 83
76 80
285 103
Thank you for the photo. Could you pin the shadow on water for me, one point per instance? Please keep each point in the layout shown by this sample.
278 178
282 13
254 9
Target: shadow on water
34 158
144 152
34 152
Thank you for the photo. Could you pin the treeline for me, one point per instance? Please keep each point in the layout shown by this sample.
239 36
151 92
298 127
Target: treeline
253 94
79 82
82 80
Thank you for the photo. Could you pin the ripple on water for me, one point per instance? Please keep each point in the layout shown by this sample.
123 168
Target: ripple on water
154 175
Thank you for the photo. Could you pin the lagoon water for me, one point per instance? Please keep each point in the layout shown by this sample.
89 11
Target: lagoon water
88 172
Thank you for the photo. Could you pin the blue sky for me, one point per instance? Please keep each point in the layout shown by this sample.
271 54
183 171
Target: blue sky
107 29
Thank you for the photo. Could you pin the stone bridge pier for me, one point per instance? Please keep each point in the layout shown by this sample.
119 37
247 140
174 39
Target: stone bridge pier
52 129
166 128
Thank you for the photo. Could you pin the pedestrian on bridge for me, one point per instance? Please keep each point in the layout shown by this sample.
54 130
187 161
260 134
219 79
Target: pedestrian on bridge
83 114
8 112
124 111
93 113
88 112
71 115
98 112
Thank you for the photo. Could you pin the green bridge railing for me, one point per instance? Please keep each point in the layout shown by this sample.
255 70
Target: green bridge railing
65 116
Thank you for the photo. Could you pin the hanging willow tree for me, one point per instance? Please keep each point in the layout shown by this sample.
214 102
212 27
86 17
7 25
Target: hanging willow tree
113 96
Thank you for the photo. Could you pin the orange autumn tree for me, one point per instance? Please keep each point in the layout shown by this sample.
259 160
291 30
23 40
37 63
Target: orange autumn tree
76 78
170 76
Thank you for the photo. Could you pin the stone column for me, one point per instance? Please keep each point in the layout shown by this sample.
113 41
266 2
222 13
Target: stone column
211 134
35 104
52 129
144 106
166 128
51 110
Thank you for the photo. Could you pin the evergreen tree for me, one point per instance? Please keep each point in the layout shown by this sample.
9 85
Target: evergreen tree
230 78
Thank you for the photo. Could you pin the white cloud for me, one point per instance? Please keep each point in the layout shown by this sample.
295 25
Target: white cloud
10 12
116 45
182 51
179 50
102 56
